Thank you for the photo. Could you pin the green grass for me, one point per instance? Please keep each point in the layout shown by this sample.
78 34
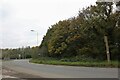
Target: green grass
78 63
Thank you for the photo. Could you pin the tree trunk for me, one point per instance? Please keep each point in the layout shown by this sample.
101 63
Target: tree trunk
107 48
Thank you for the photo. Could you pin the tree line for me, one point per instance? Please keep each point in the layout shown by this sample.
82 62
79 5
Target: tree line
93 35
19 53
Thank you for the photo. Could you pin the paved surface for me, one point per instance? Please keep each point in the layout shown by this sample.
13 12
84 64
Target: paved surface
6 73
13 75
52 71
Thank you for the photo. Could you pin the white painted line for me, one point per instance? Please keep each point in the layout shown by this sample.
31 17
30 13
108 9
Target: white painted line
6 76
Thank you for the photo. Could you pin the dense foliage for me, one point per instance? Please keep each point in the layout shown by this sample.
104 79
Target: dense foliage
19 53
83 36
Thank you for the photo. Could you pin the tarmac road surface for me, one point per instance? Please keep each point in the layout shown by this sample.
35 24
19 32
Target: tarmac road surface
53 71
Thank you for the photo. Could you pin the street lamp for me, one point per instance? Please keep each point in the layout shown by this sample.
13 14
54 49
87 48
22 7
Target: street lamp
37 35
19 56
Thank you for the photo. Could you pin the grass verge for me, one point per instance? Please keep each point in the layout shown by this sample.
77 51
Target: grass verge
112 64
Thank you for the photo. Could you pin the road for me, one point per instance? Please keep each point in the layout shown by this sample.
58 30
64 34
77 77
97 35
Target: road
52 71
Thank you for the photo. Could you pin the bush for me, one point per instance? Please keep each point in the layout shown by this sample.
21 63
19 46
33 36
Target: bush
83 58
64 60
84 51
114 54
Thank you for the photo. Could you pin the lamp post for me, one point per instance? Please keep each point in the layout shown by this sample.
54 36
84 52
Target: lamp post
19 56
37 35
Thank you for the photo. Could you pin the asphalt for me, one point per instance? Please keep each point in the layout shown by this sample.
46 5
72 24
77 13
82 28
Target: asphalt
52 71
9 74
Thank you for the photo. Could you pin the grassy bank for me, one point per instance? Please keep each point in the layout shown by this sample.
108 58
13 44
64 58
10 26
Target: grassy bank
78 63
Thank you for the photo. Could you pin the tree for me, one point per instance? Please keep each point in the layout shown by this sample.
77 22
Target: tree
85 34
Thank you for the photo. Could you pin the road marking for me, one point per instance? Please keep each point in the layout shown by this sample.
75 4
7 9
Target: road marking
6 76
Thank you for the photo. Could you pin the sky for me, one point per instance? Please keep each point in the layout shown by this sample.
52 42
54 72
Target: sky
19 17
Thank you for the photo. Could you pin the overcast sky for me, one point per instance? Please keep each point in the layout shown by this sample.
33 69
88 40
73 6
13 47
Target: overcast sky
18 17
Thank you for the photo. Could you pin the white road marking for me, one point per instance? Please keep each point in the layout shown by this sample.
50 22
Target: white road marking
6 76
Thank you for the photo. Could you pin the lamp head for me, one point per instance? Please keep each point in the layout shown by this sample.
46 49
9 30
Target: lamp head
32 30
